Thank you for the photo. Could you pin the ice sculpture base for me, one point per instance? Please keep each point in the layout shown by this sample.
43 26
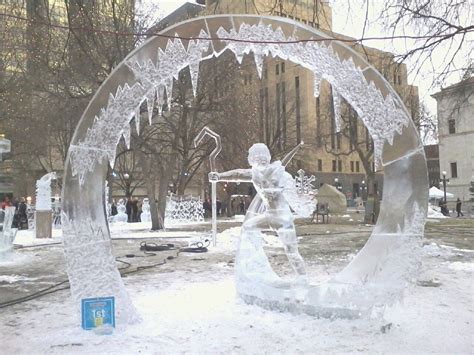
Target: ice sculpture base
44 224
297 307
329 300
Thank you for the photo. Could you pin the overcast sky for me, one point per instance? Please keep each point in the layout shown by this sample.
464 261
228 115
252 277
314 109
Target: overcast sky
352 26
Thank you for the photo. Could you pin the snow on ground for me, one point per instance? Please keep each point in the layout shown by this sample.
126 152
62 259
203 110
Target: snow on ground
191 307
435 212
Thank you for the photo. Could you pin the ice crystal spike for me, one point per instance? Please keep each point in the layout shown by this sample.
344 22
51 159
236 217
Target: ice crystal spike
137 119
150 103
336 101
259 64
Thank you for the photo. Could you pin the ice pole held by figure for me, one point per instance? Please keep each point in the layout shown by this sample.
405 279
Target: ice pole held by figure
206 131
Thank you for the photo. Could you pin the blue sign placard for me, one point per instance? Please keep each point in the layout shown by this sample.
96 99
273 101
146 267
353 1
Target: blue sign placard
97 312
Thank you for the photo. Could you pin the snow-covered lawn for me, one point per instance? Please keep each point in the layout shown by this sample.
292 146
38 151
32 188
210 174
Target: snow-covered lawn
189 306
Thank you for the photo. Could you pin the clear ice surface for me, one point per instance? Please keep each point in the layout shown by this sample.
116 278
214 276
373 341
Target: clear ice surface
7 232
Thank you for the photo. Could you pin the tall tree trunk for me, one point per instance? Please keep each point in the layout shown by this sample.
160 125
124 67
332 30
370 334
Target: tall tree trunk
370 201
165 178
151 192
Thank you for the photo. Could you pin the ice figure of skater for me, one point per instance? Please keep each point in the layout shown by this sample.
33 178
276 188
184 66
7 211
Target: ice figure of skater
276 191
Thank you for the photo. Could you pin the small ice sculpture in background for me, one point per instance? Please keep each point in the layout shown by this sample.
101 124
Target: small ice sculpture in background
276 191
121 215
145 216
181 209
43 192
43 214
7 233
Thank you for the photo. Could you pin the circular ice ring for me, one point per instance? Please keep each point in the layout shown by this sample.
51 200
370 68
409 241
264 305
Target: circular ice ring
380 269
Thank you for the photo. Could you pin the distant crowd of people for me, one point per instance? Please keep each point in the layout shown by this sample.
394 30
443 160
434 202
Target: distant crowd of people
236 206
20 219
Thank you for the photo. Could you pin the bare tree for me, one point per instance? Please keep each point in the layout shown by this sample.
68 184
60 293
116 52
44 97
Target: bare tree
53 60
441 30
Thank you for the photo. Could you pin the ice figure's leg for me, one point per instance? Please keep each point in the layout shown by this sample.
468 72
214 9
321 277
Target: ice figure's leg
251 229
290 244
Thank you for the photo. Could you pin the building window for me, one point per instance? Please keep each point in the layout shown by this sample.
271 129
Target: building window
320 165
277 69
282 67
368 140
357 167
338 140
267 116
283 111
278 116
454 170
298 113
261 112
452 126
334 165
247 79
339 165
319 141
352 166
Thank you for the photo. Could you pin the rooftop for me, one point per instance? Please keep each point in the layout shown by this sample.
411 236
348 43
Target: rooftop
462 84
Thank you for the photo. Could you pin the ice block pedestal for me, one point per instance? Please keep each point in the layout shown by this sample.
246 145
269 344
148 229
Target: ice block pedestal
44 224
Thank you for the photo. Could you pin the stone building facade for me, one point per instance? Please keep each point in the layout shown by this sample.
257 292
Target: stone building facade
455 111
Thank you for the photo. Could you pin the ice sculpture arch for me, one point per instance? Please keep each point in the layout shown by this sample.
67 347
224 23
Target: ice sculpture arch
379 270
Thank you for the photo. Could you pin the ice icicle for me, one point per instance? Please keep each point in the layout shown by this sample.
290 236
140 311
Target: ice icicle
336 100
150 102
169 91
137 119
195 51
161 99
259 64
316 85
126 135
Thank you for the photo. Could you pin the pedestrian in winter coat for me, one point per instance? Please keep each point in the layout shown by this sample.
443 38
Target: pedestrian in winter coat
458 207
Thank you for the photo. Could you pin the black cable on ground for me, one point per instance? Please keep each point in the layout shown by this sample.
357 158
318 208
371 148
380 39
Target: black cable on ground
194 248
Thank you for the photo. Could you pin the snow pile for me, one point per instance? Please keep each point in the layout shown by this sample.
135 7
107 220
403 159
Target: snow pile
27 238
435 212
459 266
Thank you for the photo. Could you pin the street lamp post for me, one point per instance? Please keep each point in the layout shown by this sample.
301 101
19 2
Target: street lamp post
444 180
363 188
127 184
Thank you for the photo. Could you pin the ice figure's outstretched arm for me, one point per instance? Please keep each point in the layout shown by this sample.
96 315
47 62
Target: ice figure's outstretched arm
237 175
